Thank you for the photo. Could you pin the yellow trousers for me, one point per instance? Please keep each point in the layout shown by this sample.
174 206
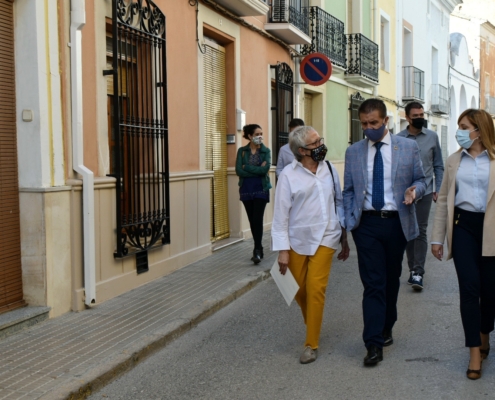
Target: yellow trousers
311 274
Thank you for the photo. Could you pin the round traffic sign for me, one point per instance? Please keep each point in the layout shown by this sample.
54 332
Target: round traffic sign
316 69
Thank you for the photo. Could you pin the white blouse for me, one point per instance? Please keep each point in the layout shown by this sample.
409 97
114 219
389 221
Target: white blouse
304 211
471 182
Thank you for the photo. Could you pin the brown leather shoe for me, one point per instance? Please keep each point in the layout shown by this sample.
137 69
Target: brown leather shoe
308 355
474 374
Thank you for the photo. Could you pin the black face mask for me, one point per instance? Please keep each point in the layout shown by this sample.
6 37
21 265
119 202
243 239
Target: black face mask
418 123
317 154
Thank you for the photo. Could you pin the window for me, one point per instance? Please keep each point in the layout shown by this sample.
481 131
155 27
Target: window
282 103
138 128
434 65
385 42
356 129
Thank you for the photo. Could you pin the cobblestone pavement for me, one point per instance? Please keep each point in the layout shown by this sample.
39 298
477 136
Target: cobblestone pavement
77 353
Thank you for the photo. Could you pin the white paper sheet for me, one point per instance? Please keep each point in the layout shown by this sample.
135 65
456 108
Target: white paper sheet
285 283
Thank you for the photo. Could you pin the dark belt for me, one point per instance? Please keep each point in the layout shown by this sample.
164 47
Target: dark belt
382 213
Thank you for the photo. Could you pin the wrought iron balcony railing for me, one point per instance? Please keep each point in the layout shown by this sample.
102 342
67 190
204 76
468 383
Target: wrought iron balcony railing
439 99
295 12
413 84
362 57
327 36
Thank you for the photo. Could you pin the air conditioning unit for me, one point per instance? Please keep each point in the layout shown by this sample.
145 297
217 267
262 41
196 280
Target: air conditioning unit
280 11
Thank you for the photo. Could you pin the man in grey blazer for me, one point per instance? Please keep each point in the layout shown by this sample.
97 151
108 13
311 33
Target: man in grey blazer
383 176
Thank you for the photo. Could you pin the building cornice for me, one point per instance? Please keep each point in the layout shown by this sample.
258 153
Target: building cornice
450 4
489 26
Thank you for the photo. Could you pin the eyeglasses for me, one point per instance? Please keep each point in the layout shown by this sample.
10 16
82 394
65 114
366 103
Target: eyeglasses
316 144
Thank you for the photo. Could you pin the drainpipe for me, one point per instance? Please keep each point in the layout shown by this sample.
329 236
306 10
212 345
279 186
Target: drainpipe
77 21
375 37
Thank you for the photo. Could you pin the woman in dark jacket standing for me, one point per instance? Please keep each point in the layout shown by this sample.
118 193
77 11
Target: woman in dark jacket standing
252 166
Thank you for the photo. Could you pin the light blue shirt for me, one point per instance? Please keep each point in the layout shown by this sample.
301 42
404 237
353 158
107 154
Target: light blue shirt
471 182
285 157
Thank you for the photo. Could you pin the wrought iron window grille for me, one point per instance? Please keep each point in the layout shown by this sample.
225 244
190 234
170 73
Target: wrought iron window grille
363 58
139 126
282 111
295 12
413 84
356 128
439 99
327 36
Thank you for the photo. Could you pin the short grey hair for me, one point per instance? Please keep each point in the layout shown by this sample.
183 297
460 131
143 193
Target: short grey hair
297 139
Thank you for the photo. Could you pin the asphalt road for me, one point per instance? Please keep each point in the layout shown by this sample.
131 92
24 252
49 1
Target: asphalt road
251 348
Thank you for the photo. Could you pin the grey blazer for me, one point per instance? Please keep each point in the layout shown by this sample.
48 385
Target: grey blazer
407 171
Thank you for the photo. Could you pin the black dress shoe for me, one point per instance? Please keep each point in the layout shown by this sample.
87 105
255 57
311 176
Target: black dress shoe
387 337
374 356
256 258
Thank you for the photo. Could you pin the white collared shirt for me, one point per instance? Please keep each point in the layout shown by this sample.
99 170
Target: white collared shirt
285 157
471 182
386 151
304 211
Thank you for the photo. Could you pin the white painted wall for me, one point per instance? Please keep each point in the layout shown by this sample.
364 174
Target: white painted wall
428 33
464 86
429 50
40 144
464 72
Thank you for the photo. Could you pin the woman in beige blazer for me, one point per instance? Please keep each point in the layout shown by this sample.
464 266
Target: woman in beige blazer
465 214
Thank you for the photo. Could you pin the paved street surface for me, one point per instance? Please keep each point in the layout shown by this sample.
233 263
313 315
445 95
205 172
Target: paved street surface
250 350
72 355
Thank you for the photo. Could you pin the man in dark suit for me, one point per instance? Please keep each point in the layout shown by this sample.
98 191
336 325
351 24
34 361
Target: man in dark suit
382 178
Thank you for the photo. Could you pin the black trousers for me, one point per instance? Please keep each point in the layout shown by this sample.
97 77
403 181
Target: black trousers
476 275
380 244
255 210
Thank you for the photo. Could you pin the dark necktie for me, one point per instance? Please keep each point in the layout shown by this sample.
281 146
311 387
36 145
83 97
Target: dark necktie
378 193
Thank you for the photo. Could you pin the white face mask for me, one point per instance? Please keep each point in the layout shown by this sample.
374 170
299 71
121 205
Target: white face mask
257 140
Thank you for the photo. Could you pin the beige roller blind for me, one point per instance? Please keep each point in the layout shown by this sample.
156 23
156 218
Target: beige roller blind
216 139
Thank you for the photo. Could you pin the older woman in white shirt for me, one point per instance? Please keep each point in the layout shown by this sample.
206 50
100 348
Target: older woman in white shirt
308 225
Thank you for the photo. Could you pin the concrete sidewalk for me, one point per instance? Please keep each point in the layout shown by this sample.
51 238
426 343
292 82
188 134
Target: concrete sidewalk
75 354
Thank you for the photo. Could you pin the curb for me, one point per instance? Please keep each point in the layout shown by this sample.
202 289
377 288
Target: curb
132 355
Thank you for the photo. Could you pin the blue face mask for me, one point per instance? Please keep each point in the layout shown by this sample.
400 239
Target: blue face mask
462 137
374 134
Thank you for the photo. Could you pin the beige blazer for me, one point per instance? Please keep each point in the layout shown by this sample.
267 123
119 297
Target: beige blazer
444 214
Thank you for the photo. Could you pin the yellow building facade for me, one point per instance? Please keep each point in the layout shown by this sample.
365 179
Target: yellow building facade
385 22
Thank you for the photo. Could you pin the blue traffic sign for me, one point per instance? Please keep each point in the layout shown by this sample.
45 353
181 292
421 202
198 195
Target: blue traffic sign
316 69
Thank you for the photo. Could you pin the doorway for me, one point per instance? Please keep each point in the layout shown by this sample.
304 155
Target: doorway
215 104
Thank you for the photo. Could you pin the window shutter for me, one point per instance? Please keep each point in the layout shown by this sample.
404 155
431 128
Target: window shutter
10 265
216 138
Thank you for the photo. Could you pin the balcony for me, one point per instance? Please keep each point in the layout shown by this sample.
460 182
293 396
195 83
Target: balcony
440 99
413 84
362 60
327 37
289 21
245 8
